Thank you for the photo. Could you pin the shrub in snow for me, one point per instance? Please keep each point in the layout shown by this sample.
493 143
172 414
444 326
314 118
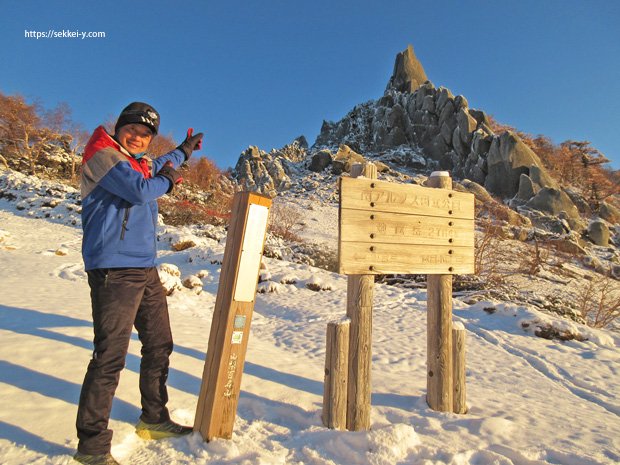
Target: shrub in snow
549 328
289 279
202 274
202 254
549 331
271 287
170 278
318 284
264 276
182 245
598 301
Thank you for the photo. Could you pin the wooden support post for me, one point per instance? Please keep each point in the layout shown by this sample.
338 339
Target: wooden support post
360 293
336 373
230 327
439 394
458 358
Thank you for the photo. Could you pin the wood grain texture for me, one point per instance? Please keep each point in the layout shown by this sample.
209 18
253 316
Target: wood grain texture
360 296
458 359
400 228
358 258
439 378
336 375
383 196
221 380
390 228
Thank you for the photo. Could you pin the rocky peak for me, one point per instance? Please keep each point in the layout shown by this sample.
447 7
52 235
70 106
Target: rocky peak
408 72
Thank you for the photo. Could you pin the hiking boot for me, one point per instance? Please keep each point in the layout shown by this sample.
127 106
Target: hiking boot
101 459
166 429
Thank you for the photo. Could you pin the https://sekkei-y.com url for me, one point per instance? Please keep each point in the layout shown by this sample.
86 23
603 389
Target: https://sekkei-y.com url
63 34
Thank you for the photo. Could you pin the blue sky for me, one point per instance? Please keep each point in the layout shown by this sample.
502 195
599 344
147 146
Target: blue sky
263 73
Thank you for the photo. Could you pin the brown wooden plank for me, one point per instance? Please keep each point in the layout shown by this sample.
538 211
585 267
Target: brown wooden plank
358 258
336 374
215 357
372 195
399 228
221 382
360 296
439 379
439 385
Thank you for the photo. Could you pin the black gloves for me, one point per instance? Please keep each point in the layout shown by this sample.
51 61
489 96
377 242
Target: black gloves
191 143
172 175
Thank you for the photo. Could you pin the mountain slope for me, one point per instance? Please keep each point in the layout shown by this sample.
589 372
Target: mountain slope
531 400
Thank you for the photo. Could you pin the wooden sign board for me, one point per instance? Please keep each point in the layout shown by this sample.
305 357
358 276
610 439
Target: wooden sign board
230 327
389 228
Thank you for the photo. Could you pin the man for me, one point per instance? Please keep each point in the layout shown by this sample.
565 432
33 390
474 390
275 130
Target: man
120 186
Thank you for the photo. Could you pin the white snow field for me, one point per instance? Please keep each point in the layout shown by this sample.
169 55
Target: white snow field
532 401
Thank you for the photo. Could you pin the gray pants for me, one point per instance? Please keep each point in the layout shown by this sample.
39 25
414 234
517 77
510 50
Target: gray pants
122 298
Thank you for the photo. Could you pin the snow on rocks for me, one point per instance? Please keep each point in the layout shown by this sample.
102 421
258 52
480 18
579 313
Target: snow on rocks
170 277
39 198
62 250
184 238
318 283
193 283
512 318
272 287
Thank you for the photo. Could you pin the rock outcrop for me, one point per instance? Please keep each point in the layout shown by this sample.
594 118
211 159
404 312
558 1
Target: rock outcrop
414 117
416 127
344 159
598 232
408 72
269 173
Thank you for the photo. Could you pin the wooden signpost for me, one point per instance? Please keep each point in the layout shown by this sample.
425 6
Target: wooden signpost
389 228
230 327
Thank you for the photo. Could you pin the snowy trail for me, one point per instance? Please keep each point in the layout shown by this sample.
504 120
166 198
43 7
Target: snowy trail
598 396
532 401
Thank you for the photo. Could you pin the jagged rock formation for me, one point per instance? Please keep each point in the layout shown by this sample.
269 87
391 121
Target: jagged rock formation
415 117
418 128
268 173
408 72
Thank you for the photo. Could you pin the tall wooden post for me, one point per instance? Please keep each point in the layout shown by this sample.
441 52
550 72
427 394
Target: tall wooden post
360 294
439 393
230 327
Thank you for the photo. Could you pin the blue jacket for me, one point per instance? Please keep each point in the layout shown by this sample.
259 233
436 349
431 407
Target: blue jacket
119 206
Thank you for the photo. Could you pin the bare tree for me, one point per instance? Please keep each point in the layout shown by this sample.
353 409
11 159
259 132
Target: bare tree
22 132
599 301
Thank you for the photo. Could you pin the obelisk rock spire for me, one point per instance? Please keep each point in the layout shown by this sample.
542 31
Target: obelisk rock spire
408 72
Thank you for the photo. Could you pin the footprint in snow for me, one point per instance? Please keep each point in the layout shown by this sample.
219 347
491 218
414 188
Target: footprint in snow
70 271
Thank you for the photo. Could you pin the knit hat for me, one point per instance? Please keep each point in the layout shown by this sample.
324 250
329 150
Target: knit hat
141 113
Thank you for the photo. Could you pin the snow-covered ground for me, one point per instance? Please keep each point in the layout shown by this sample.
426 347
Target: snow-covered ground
532 401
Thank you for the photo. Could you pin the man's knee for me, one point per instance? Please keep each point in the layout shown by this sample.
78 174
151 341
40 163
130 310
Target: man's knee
157 352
